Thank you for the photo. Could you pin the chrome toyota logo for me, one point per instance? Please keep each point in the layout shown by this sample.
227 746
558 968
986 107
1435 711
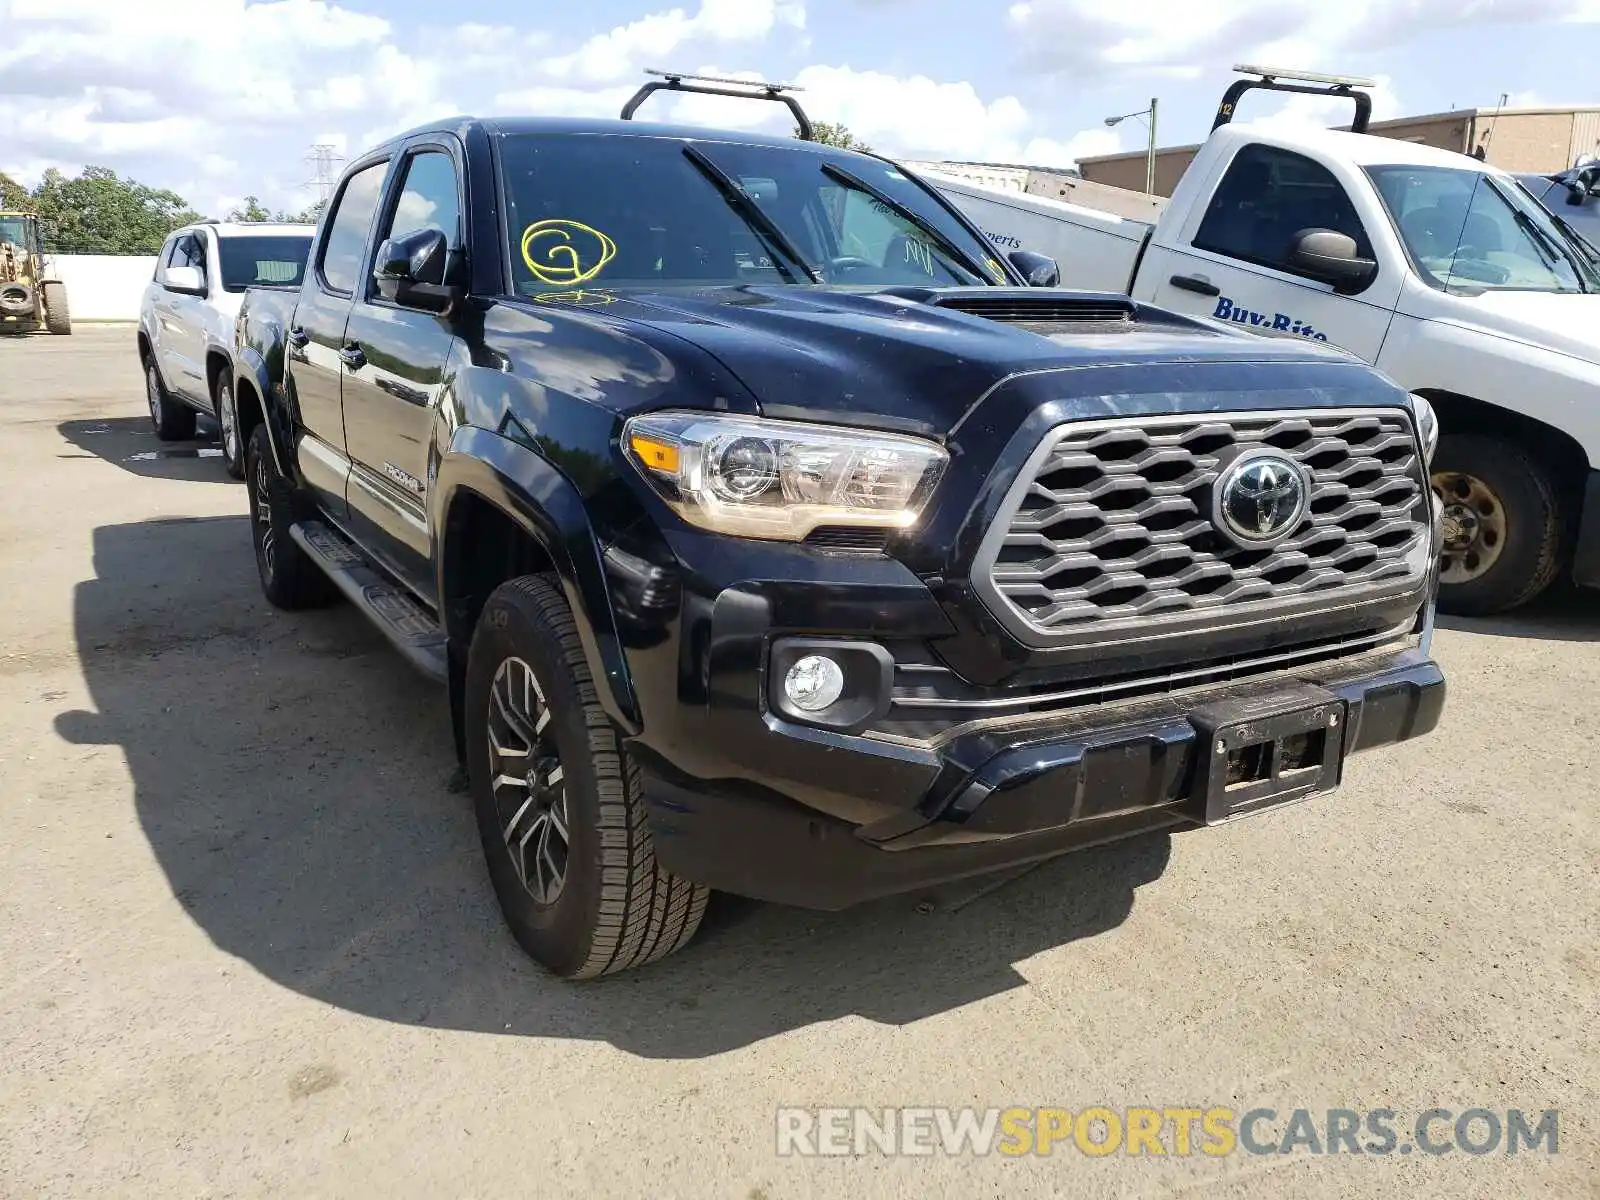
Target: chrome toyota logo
1260 499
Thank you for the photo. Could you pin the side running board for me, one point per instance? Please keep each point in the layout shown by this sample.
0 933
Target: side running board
391 608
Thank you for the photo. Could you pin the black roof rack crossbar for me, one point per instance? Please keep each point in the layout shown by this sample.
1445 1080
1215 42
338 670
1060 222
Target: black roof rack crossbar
742 89
1271 79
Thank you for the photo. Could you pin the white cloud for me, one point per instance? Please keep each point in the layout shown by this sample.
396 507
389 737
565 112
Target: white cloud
622 52
1183 39
220 98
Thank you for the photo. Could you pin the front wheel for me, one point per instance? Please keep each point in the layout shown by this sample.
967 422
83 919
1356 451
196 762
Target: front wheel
1502 525
57 316
559 803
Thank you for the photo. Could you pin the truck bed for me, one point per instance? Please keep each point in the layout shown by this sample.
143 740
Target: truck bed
1097 249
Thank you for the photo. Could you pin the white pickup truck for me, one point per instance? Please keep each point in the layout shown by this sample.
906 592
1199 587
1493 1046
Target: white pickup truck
1438 269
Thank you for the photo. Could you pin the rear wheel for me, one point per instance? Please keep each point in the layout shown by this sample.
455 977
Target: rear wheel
57 316
1502 525
172 421
228 425
289 579
559 803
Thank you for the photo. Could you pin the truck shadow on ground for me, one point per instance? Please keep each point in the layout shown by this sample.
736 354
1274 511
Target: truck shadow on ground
131 444
290 774
1564 614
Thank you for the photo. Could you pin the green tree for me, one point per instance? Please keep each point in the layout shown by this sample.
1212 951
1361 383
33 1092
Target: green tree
306 216
251 211
837 135
98 213
13 196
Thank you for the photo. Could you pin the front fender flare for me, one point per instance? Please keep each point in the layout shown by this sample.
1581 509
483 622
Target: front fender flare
530 490
250 369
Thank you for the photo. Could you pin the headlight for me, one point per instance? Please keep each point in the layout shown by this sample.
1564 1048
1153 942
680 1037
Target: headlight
1427 428
782 479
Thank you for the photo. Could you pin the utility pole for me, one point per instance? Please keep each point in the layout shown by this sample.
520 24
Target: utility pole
1150 161
1148 116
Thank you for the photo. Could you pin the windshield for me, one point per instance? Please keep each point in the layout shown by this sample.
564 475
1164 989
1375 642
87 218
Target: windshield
16 231
629 211
1468 234
263 261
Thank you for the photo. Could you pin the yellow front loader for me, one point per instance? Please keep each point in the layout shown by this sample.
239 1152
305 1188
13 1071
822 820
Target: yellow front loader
28 300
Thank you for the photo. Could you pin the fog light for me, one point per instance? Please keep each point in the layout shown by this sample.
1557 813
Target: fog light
813 683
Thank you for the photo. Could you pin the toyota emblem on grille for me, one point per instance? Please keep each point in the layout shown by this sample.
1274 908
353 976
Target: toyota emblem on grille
1260 499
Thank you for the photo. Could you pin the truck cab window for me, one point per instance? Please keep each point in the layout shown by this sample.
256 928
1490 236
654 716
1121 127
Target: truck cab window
1266 198
346 241
427 199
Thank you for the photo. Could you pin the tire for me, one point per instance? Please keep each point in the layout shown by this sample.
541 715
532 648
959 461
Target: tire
614 908
228 427
1502 505
18 300
172 421
57 316
289 578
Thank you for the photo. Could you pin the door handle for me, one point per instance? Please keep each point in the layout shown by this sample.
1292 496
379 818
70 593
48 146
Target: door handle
1193 283
352 356
299 338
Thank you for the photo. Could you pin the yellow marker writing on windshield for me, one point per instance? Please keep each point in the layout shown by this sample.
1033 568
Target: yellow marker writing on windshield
565 252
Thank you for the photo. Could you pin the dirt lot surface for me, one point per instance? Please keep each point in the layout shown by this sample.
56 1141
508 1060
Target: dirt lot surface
247 944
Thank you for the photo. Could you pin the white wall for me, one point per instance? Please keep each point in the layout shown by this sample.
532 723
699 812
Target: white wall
103 287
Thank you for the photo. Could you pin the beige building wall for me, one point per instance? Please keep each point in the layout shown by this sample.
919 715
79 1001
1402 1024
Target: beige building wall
1532 139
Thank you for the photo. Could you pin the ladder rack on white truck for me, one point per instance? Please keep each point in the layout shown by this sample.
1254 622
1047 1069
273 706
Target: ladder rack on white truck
1440 270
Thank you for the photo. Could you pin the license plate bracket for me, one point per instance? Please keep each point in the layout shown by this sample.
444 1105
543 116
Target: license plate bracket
1262 752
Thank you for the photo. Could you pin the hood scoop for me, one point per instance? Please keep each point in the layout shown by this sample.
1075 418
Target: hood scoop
1051 311
1038 310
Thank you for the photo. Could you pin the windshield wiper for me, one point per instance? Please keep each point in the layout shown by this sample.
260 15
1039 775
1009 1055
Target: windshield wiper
1579 243
1541 240
1554 256
950 249
754 216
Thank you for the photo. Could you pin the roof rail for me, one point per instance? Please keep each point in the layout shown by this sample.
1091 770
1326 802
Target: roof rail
1308 83
742 89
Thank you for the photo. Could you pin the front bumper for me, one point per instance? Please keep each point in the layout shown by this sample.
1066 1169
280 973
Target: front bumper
1014 794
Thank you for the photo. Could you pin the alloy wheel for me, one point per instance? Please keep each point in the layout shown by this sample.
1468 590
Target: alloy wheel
229 421
1474 527
261 503
152 389
528 781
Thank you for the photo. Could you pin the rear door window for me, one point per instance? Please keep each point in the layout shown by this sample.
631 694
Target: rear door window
345 245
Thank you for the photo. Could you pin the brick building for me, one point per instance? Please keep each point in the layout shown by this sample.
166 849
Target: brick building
1516 139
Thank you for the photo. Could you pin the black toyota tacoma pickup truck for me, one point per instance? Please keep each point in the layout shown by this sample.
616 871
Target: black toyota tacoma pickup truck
772 536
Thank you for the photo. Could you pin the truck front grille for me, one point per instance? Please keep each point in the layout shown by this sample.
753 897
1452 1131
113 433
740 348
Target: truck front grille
1109 529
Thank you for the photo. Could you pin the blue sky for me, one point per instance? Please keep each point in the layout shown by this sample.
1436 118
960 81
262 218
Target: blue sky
219 98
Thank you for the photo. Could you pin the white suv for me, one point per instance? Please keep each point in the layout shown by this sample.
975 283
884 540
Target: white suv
186 320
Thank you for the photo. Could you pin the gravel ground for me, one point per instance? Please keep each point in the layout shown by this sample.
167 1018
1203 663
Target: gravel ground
249 948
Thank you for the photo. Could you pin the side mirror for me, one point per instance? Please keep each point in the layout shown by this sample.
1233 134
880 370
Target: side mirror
1040 270
410 270
187 280
1331 258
